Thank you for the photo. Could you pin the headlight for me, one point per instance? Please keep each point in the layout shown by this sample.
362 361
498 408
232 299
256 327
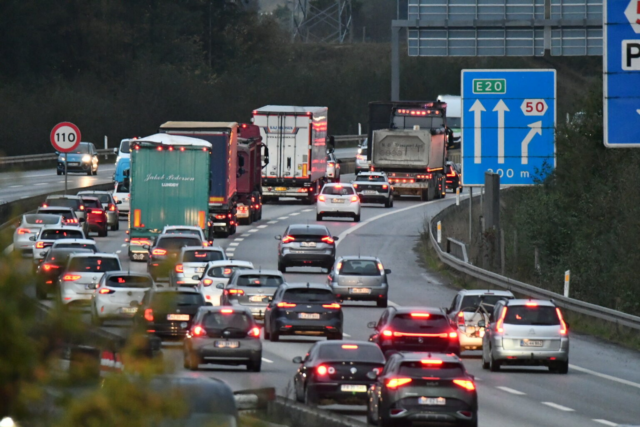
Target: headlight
86 158
61 159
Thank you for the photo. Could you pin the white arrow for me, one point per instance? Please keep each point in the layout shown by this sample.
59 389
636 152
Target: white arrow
638 111
501 107
535 128
477 109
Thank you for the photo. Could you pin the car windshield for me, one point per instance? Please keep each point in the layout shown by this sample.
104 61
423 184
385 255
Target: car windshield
67 203
257 280
202 256
88 246
41 219
337 190
104 198
351 352
531 315
81 149
125 281
218 320
61 234
177 243
177 298
61 256
371 178
418 369
454 122
309 295
183 231
225 271
124 147
418 321
359 267
471 302
122 187
93 264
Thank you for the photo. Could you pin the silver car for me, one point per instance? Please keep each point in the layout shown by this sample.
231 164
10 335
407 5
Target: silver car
108 204
48 235
526 332
360 278
187 229
73 202
218 273
253 289
78 282
30 225
118 295
192 263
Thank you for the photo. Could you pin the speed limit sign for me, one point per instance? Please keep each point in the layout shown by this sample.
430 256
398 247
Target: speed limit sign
65 137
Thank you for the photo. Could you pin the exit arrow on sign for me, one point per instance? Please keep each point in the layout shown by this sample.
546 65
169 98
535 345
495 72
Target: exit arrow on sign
536 128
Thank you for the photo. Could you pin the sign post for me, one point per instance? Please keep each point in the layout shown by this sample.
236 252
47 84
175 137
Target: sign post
567 280
65 137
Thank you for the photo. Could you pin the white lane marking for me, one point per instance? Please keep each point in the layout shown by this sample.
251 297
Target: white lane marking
239 239
42 183
118 251
15 186
346 335
306 210
124 245
233 244
272 222
605 422
253 230
558 407
245 235
294 214
283 217
267 360
262 226
512 391
230 249
392 304
605 376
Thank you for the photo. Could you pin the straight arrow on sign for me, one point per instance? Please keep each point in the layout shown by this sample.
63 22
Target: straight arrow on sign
477 109
501 107
536 128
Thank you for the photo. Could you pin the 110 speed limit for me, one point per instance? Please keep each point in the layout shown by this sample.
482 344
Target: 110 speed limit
65 137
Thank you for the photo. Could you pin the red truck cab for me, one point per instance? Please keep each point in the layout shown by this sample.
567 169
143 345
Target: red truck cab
250 161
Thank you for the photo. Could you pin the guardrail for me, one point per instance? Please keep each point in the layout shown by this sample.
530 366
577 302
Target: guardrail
571 304
44 157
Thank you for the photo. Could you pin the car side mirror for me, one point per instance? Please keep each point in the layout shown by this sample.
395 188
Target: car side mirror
220 286
208 304
371 325
297 359
387 271
279 237
119 202
372 375
115 151
196 277
336 238
32 238
482 324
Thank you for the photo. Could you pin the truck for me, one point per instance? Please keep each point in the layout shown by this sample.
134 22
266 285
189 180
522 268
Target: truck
168 179
407 141
251 161
223 193
296 137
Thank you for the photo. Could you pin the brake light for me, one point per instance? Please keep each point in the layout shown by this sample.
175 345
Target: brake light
286 305
159 252
385 186
221 216
563 330
234 291
431 362
24 231
453 335
106 291
321 198
226 311
112 207
44 205
327 239
81 207
355 199
398 382
71 221
287 239
96 212
334 305
355 185
501 320
381 268
179 268
198 331
466 384
255 332
350 346
420 315
227 271
40 245
207 282
139 242
321 370
148 315
461 319
387 333
452 173
531 304
339 266
48 267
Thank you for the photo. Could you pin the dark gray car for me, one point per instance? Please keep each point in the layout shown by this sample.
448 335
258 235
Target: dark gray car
357 278
306 246
253 289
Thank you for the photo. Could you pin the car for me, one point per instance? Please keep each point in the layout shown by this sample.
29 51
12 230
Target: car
223 335
168 312
118 295
73 202
453 177
304 245
52 266
217 275
253 289
362 164
374 187
48 235
122 195
123 151
338 200
192 263
109 205
303 309
332 173
360 278
83 159
29 226
423 387
164 253
123 170
80 278
96 216
414 329
469 307
187 229
537 335
337 371
69 217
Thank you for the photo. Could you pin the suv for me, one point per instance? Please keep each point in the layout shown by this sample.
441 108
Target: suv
338 200
83 159
415 329
359 278
73 202
306 246
192 263
374 187
29 226
80 279
537 335
217 275
253 289
164 253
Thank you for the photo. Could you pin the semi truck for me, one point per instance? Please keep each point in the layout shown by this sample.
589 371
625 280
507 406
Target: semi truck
251 160
168 187
223 193
296 137
407 141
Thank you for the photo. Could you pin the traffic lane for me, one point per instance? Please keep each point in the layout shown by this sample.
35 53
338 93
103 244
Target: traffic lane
346 152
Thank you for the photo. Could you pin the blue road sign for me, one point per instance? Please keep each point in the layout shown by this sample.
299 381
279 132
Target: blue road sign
621 67
508 124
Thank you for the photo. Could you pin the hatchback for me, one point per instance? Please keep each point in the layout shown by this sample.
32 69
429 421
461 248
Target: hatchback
96 216
360 278
83 159
29 226
109 205
192 263
217 275
73 202
163 255
80 278
118 295
362 164
52 266
306 246
68 215
168 312
48 235
253 289
338 200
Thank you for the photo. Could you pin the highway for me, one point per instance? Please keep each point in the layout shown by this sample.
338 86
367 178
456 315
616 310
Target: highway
603 384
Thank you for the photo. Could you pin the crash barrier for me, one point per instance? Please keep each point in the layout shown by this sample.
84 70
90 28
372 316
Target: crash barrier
47 157
571 304
458 249
297 414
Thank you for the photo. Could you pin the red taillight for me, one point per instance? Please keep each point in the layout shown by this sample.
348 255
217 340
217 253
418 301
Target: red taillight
44 205
461 319
198 331
453 335
287 239
501 320
159 252
431 362
179 268
286 305
81 207
71 277
148 315
563 330
321 198
452 173
71 221
106 291
48 267
355 199
398 382
234 291
327 239
97 212
466 384
112 207
255 332
23 231
321 370
420 315
207 282
39 245
355 185
334 306
387 333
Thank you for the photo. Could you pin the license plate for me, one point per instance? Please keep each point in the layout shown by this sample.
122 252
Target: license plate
281 188
309 316
138 256
369 192
227 344
354 388
530 343
360 290
337 200
200 269
308 244
177 317
73 163
257 298
129 310
437 401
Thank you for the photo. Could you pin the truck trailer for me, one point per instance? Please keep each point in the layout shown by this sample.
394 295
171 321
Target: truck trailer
223 193
251 161
168 179
296 137
407 141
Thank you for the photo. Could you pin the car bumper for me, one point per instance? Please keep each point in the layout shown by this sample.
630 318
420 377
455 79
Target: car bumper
138 254
71 297
97 226
425 347
308 258
81 167
305 327
374 198
334 392
209 353
435 414
530 356
338 209
106 310
169 329
344 293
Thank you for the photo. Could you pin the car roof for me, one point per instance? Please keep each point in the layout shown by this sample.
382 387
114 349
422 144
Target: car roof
61 196
93 192
430 310
234 262
82 241
219 308
338 184
96 254
59 227
371 173
259 271
357 257
342 342
90 198
200 248
59 217
473 292
540 302
176 236
416 356
42 209
308 229
308 286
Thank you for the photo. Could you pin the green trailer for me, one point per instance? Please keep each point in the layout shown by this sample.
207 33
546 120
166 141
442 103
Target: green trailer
169 186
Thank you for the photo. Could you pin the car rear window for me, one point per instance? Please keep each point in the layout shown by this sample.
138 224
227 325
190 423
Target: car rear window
202 256
351 352
471 302
419 369
175 244
336 190
122 187
60 257
104 198
359 268
88 246
124 281
225 271
183 231
41 219
67 203
92 204
256 280
178 298
308 231
531 315
309 295
218 320
61 234
418 321
63 213
94 264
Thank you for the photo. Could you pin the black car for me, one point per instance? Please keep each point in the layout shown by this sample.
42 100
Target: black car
415 329
337 371
304 245
169 312
454 178
374 187
423 387
303 309
164 253
52 267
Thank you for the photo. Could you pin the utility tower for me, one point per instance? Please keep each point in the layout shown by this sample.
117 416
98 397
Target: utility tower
323 21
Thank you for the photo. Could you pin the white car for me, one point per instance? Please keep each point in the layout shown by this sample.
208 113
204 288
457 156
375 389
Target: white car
118 295
48 235
218 273
187 229
122 195
362 164
30 225
123 152
338 200
84 270
192 262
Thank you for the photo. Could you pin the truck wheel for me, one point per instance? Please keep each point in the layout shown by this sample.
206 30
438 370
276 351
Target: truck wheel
424 195
318 217
356 218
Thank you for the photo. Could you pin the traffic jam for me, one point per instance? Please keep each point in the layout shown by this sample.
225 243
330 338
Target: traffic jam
178 192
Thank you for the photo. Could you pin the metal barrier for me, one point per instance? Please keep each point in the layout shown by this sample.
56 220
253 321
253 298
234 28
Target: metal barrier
44 157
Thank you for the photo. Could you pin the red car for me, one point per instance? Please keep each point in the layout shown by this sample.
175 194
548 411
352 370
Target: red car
96 216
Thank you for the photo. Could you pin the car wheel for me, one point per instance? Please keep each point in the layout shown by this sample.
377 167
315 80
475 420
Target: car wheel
383 421
472 423
267 335
370 418
391 202
560 367
494 365
59 172
382 303
103 233
318 217
274 336
485 364
424 196
299 397
356 218
282 268
309 397
387 204
254 365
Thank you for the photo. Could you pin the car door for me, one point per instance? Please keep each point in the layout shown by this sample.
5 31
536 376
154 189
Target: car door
274 303
375 337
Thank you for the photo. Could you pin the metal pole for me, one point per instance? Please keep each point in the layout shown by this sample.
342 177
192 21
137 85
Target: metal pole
470 210
502 260
65 174
106 144
395 63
